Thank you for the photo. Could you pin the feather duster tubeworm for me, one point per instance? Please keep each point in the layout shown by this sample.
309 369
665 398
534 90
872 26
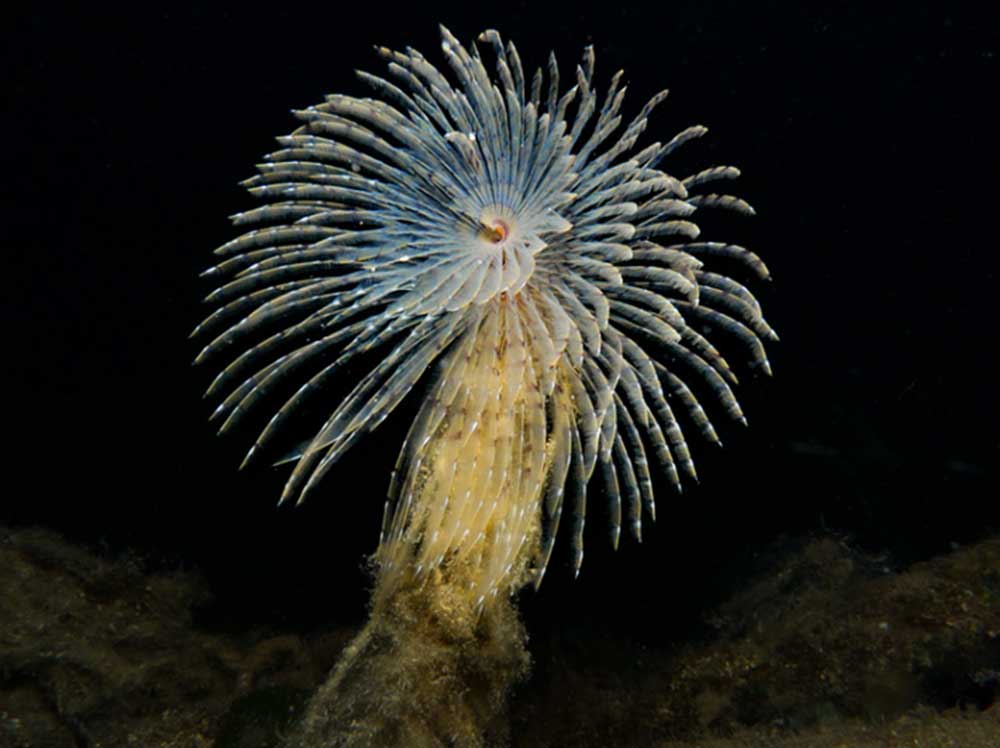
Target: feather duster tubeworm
506 240
548 269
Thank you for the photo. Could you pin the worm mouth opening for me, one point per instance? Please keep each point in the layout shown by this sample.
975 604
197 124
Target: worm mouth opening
495 231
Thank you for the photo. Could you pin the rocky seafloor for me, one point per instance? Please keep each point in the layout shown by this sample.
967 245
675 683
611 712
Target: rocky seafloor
824 647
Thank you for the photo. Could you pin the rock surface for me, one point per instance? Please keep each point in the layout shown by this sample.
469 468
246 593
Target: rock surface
826 647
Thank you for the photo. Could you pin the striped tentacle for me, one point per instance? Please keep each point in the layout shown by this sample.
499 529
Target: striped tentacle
506 238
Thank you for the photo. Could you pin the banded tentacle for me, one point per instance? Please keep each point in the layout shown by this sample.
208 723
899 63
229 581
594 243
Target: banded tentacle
507 240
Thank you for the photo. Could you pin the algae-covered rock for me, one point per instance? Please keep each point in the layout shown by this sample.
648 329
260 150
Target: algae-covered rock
96 652
825 647
822 646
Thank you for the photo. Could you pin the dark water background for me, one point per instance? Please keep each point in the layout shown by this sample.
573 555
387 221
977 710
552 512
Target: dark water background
867 138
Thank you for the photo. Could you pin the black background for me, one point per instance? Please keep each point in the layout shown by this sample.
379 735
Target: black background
867 140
